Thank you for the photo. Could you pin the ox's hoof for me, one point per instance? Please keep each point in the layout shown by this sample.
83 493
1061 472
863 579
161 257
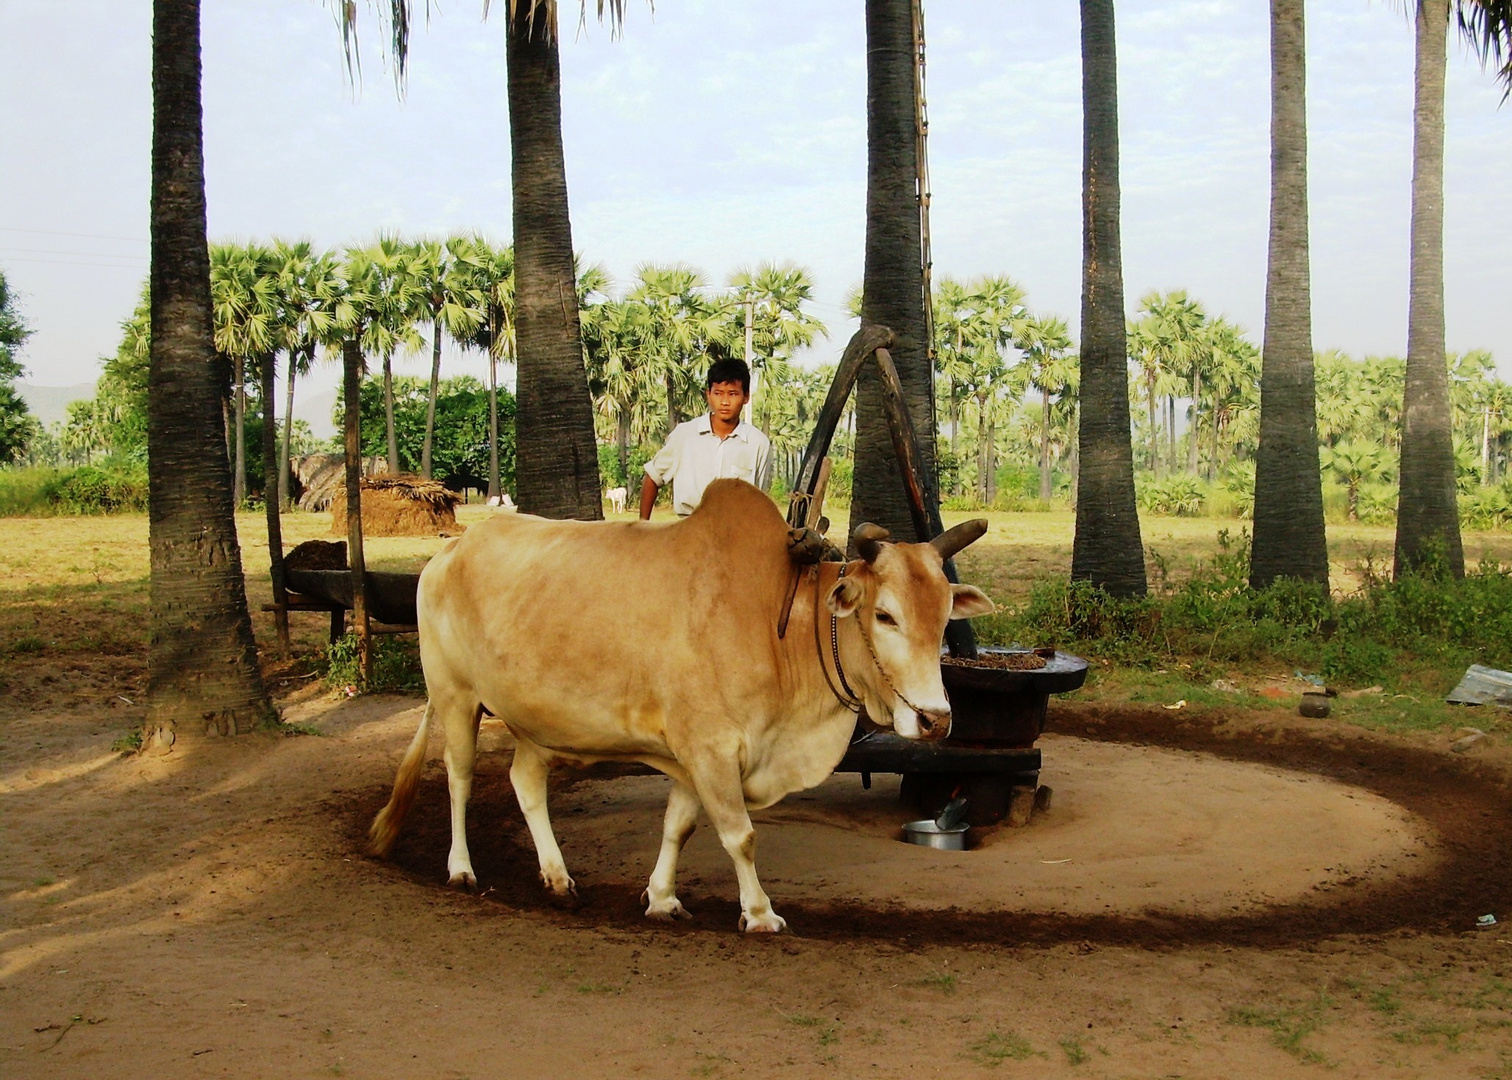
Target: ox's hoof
770 923
463 879
669 910
565 897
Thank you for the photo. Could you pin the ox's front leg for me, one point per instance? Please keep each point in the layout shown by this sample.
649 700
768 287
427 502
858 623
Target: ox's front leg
660 896
719 787
528 776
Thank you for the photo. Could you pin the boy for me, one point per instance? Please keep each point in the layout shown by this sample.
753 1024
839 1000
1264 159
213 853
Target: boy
713 446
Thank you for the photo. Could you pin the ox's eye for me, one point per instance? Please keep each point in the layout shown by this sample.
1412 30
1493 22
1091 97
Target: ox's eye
886 619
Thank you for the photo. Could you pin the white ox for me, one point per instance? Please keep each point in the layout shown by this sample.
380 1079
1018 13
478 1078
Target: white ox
528 619
617 497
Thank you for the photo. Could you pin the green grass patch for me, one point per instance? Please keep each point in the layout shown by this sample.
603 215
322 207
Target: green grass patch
396 664
1288 1027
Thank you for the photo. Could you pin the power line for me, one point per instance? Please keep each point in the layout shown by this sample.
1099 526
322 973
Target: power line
83 236
74 262
86 254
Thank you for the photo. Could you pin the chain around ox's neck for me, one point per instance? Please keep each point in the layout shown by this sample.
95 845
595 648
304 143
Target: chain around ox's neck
850 699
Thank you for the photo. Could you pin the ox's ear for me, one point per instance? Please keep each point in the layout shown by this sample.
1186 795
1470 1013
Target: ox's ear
845 597
968 602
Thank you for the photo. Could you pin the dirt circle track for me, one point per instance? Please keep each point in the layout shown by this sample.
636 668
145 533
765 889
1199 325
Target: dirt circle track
1443 856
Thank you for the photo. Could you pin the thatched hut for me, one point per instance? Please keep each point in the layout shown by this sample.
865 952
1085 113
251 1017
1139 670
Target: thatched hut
400 506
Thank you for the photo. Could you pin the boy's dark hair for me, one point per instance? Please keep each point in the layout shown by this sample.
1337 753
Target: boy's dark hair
728 369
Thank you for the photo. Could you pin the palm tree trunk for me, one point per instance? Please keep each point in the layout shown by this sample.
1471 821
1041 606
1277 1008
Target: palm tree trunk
1045 445
622 440
430 402
1107 549
271 504
1428 513
1154 427
1192 462
239 468
202 673
893 282
982 443
1486 445
288 433
1289 535
388 415
556 454
674 414
351 365
494 490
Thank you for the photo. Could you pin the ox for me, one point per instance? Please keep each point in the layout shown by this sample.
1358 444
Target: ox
617 497
529 620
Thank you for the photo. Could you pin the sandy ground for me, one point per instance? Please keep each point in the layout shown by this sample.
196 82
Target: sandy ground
1243 894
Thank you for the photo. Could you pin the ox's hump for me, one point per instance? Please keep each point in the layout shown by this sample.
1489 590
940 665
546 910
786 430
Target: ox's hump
738 500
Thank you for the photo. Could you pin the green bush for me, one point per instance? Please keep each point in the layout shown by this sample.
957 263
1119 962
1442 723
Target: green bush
1378 635
396 664
28 491
116 484
1177 495
91 489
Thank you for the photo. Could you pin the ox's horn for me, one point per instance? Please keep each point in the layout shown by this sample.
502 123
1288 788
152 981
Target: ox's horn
868 538
952 541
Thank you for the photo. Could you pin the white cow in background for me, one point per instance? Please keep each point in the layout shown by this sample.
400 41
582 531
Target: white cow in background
617 497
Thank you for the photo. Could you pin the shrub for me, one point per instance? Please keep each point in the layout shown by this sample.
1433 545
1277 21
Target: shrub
1177 495
396 664
91 489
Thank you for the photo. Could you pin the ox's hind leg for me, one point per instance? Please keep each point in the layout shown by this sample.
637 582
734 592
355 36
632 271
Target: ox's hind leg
459 719
719 787
528 776
660 896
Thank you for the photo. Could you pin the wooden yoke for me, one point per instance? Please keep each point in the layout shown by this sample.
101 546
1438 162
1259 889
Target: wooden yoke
873 341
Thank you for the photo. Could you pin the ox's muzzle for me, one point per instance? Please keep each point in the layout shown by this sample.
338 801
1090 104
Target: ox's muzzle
930 726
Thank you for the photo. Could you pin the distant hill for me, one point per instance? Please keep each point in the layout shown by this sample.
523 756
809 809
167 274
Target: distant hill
50 403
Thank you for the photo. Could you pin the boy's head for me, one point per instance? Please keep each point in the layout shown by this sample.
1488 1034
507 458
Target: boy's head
727 368
727 388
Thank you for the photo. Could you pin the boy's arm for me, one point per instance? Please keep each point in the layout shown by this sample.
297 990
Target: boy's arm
649 489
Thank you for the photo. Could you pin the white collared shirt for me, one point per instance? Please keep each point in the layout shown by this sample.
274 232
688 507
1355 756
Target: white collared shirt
694 457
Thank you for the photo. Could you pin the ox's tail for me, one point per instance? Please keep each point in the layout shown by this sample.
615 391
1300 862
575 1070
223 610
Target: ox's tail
385 827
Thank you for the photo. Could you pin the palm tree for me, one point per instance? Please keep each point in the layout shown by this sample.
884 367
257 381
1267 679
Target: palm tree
454 304
245 307
556 454
1428 511
681 324
1289 538
1353 463
307 287
202 673
1107 549
1046 344
489 272
893 284
768 308
397 300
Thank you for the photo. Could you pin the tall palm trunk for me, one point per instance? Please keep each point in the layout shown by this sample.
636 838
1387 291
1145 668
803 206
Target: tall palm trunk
494 488
1107 549
351 383
556 454
674 414
388 414
1154 425
239 468
288 432
1045 445
430 401
983 443
1192 462
892 291
1289 536
622 440
271 507
202 673
1427 513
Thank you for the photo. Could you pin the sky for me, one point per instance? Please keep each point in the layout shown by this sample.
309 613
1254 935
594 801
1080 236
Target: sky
724 134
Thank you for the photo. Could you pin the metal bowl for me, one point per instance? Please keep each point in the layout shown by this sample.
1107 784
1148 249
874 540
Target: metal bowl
926 833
